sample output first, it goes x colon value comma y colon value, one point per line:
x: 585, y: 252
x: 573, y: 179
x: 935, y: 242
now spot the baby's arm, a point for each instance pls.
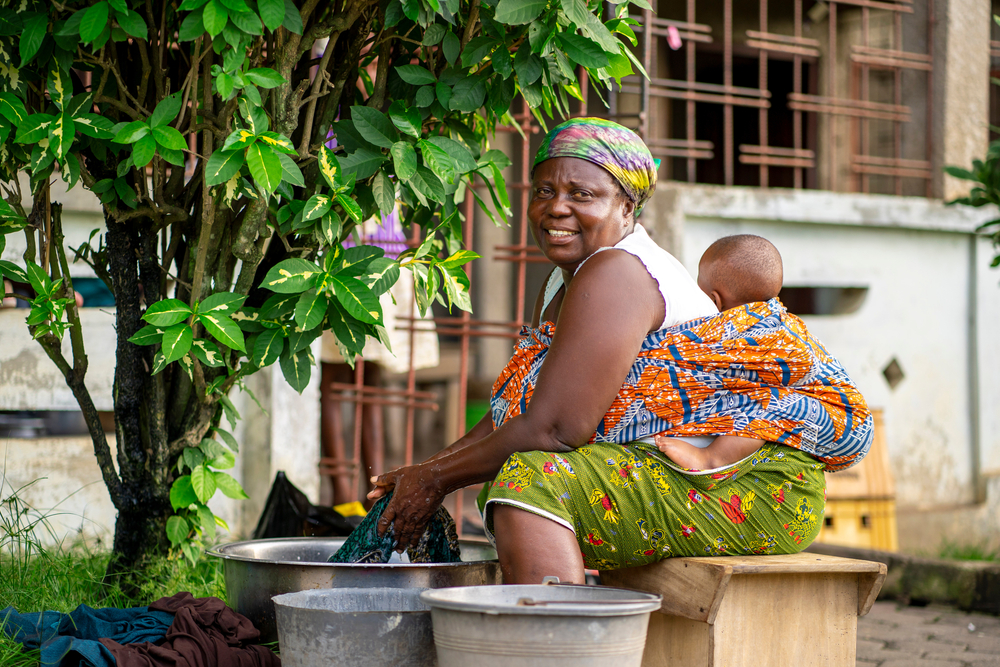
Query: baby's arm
x: 723, y: 451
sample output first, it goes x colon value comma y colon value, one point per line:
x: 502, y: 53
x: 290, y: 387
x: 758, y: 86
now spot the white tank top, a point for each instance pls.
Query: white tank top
x: 683, y: 300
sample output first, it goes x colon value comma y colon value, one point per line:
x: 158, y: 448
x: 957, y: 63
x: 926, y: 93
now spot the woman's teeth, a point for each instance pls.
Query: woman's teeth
x: 559, y: 232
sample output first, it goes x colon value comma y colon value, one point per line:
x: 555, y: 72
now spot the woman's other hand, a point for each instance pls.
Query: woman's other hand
x: 416, y: 496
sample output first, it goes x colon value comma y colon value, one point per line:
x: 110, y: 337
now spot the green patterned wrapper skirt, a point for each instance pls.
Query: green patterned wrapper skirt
x: 630, y: 505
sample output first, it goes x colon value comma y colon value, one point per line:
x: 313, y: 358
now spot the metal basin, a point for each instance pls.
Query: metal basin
x: 355, y: 627
x: 257, y: 570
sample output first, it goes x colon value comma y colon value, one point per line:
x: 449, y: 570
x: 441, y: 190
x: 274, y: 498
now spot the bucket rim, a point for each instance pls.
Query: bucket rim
x: 442, y: 598
x: 220, y: 551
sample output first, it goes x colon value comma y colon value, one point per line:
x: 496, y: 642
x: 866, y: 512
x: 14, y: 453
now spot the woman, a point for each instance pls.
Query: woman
x: 557, y: 504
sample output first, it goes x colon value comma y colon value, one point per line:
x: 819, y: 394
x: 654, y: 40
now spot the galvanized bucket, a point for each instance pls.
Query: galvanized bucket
x: 257, y: 570
x: 355, y: 627
x: 531, y: 626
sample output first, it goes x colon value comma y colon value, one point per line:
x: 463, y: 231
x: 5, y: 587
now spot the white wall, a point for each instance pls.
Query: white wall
x: 929, y: 292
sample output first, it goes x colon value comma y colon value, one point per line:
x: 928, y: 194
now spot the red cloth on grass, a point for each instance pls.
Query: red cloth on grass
x: 205, y: 633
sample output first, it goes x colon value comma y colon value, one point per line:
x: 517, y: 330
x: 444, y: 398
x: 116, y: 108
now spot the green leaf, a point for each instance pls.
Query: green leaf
x: 34, y: 128
x: 230, y: 441
x: 166, y: 111
x: 268, y: 347
x: 215, y: 17
x: 221, y: 302
x: 265, y: 167
x: 405, y: 120
x: 362, y: 163
x: 433, y: 35
x: 168, y: 137
x: 61, y: 134
x: 93, y: 23
x: 38, y: 279
x: 203, y: 483
x: 451, y: 46
x: 404, y: 159
x: 132, y: 132
x: 32, y: 36
x: 58, y: 93
x: 192, y: 457
x: 458, y: 259
x: 330, y: 226
x: 415, y: 75
x: 459, y: 154
x: 207, y: 353
x: 357, y: 299
x: 582, y: 50
x: 519, y: 12
x: 456, y: 286
x: 310, y: 309
x: 291, y: 276
x: 265, y: 77
x: 12, y: 108
x: 182, y: 493
x: 177, y: 529
x: 192, y: 26
x: 597, y: 31
x: 316, y: 207
x: 176, y: 342
x: 167, y: 312
x: 576, y: 11
x: 13, y: 271
x: 293, y: 19
x: 384, y: 191
x: 94, y: 126
x: 297, y: 368
x: 380, y: 275
x: 272, y: 12
x: 246, y: 21
x: 207, y: 521
x: 350, y: 207
x: 477, y: 49
x: 132, y: 23
x: 468, y: 94
x: 148, y: 335
x: 349, y: 331
x: 143, y: 151
x: 440, y: 162
x: 229, y: 486
x: 355, y: 260
x: 290, y: 171
x: 958, y: 172
x: 429, y: 185
x: 374, y: 126
x: 222, y: 166
x: 224, y: 330
x: 425, y: 96
x: 329, y: 167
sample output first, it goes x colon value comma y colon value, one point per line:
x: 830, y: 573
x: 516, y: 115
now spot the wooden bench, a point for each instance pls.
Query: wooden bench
x: 796, y: 610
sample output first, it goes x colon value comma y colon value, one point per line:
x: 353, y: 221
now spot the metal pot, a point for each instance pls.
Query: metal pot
x: 257, y: 570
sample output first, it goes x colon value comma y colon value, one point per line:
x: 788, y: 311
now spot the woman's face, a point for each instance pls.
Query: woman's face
x: 576, y: 208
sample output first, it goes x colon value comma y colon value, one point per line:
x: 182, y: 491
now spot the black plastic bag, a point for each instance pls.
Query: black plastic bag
x: 288, y: 513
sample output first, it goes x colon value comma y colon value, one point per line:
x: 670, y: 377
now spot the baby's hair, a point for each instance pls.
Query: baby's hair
x: 752, y: 265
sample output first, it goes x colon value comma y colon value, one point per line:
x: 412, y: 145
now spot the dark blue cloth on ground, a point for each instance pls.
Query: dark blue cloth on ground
x: 68, y: 640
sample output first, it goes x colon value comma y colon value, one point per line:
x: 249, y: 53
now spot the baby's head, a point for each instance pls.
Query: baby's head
x: 740, y: 269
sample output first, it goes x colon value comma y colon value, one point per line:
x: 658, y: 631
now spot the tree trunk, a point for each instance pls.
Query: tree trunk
x: 140, y: 532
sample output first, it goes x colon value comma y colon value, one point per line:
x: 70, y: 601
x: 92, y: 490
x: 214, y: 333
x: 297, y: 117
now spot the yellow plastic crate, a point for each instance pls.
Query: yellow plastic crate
x: 867, y: 524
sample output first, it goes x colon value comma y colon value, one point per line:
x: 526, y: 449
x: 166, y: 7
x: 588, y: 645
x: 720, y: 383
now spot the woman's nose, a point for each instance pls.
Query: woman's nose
x: 559, y: 206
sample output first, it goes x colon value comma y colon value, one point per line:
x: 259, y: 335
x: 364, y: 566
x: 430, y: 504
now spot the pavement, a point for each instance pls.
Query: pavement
x: 893, y: 635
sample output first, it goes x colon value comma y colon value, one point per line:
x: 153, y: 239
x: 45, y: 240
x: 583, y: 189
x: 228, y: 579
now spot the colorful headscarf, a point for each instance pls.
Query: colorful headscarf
x: 607, y: 144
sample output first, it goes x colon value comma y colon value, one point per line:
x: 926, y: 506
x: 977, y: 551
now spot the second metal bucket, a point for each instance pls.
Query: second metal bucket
x: 355, y: 627
x: 541, y: 625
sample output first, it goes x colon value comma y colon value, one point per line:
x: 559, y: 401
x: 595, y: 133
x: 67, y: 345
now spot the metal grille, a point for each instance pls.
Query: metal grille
x: 830, y: 95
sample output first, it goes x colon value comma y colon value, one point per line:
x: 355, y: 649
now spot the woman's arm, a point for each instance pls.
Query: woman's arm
x: 609, y: 308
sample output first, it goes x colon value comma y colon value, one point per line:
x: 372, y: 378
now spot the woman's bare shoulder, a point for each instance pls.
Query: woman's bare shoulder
x: 618, y: 274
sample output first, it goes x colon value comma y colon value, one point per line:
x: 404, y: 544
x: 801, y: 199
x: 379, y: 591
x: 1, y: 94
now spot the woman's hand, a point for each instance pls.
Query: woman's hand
x: 416, y: 497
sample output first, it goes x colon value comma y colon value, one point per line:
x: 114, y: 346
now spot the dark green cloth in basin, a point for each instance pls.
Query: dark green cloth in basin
x: 438, y: 544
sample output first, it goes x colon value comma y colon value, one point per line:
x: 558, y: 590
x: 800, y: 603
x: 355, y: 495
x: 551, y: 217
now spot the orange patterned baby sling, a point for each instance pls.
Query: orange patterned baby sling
x: 753, y: 371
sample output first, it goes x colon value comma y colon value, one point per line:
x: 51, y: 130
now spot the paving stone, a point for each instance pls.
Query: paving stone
x: 936, y: 646
x: 982, y: 643
x: 980, y: 660
x: 866, y: 663
x: 920, y: 662
x: 966, y: 657
x: 871, y: 650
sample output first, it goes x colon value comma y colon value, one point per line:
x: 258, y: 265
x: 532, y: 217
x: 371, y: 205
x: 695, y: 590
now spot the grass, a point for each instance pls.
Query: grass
x: 34, y: 577
x: 981, y: 552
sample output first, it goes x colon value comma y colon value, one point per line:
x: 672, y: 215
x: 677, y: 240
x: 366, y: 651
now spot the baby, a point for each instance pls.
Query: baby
x: 734, y: 271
